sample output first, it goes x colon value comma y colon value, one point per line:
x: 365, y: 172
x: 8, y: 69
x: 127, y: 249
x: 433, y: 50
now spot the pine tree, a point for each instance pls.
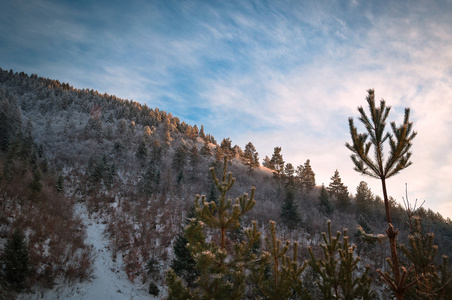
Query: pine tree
x: 280, y: 276
x: 15, y: 261
x: 364, y: 198
x: 36, y: 184
x: 421, y: 252
x: 266, y: 162
x: 289, y: 210
x: 324, y: 201
x: 60, y: 184
x: 168, y: 129
x: 251, y: 156
x: 147, y: 132
x: 338, y: 190
x: 277, y: 162
x: 338, y: 269
x: 205, y: 150
x: 219, y: 154
x: 183, y: 263
x: 222, y: 271
x: 150, y: 180
x: 201, y: 133
x: 194, y: 157
x: 289, y: 173
x: 142, y: 150
x: 180, y: 158
x: 226, y: 148
x: 400, y: 142
x: 307, y: 177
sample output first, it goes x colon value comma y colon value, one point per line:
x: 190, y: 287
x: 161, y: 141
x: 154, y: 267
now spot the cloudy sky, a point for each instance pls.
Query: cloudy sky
x: 276, y: 73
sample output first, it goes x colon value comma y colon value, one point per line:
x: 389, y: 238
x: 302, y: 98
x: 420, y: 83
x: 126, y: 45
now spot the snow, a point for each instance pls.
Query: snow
x: 110, y: 281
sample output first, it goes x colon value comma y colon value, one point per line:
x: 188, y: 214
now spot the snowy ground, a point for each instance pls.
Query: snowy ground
x: 110, y: 281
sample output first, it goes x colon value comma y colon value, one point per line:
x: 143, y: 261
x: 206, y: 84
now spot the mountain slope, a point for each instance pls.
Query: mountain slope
x: 130, y: 175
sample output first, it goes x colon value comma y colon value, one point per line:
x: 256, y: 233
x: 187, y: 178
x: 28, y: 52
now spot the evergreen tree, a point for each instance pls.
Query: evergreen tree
x: 222, y: 272
x: 307, y: 177
x: 219, y: 154
x: 132, y: 128
x: 168, y: 130
x: 364, y: 198
x: 279, y: 276
x: 324, y: 201
x: 400, y: 142
x: 338, y: 190
x: 121, y: 128
x: 201, y: 133
x: 150, y: 180
x: 205, y: 150
x: 251, y: 156
x: 338, y: 269
x: 194, y: 157
x: 277, y: 162
x: 226, y: 148
x: 110, y: 174
x: 266, y: 162
x: 15, y: 261
x: 147, y: 132
x: 183, y: 263
x: 289, y: 173
x: 60, y: 184
x: 180, y: 158
x: 289, y: 210
x: 36, y: 184
x: 156, y: 155
x: 421, y: 252
x: 142, y: 150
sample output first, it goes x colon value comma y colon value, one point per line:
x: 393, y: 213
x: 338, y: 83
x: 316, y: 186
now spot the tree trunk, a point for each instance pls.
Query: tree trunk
x: 392, y: 236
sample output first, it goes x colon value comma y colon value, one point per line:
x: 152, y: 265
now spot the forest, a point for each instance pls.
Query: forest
x: 188, y: 217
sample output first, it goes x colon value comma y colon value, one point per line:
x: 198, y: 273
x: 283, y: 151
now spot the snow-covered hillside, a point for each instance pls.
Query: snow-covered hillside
x: 109, y: 280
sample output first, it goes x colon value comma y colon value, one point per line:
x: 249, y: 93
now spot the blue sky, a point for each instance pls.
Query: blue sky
x: 277, y: 73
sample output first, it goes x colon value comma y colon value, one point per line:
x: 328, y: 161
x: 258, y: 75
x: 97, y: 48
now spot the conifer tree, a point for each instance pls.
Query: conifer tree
x: 150, y: 179
x: 284, y: 280
x: 289, y: 210
x: 142, y: 150
x: 147, y: 132
x: 251, y: 156
x: 338, y: 190
x: 364, y: 198
x: 277, y: 162
x: 400, y: 142
x: 226, y: 148
x: 324, y: 201
x: 194, y: 157
x: 180, y: 158
x: 307, y: 177
x: 338, y: 269
x: 219, y: 154
x: 201, y: 133
x: 289, y: 173
x: 205, y: 150
x: 60, y: 184
x: 266, y: 162
x: 183, y: 263
x: 36, y: 184
x: 168, y: 130
x: 421, y: 252
x: 15, y: 261
x: 221, y: 266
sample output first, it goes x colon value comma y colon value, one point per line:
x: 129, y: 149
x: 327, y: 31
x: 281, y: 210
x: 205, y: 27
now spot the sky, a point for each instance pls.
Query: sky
x: 283, y: 74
